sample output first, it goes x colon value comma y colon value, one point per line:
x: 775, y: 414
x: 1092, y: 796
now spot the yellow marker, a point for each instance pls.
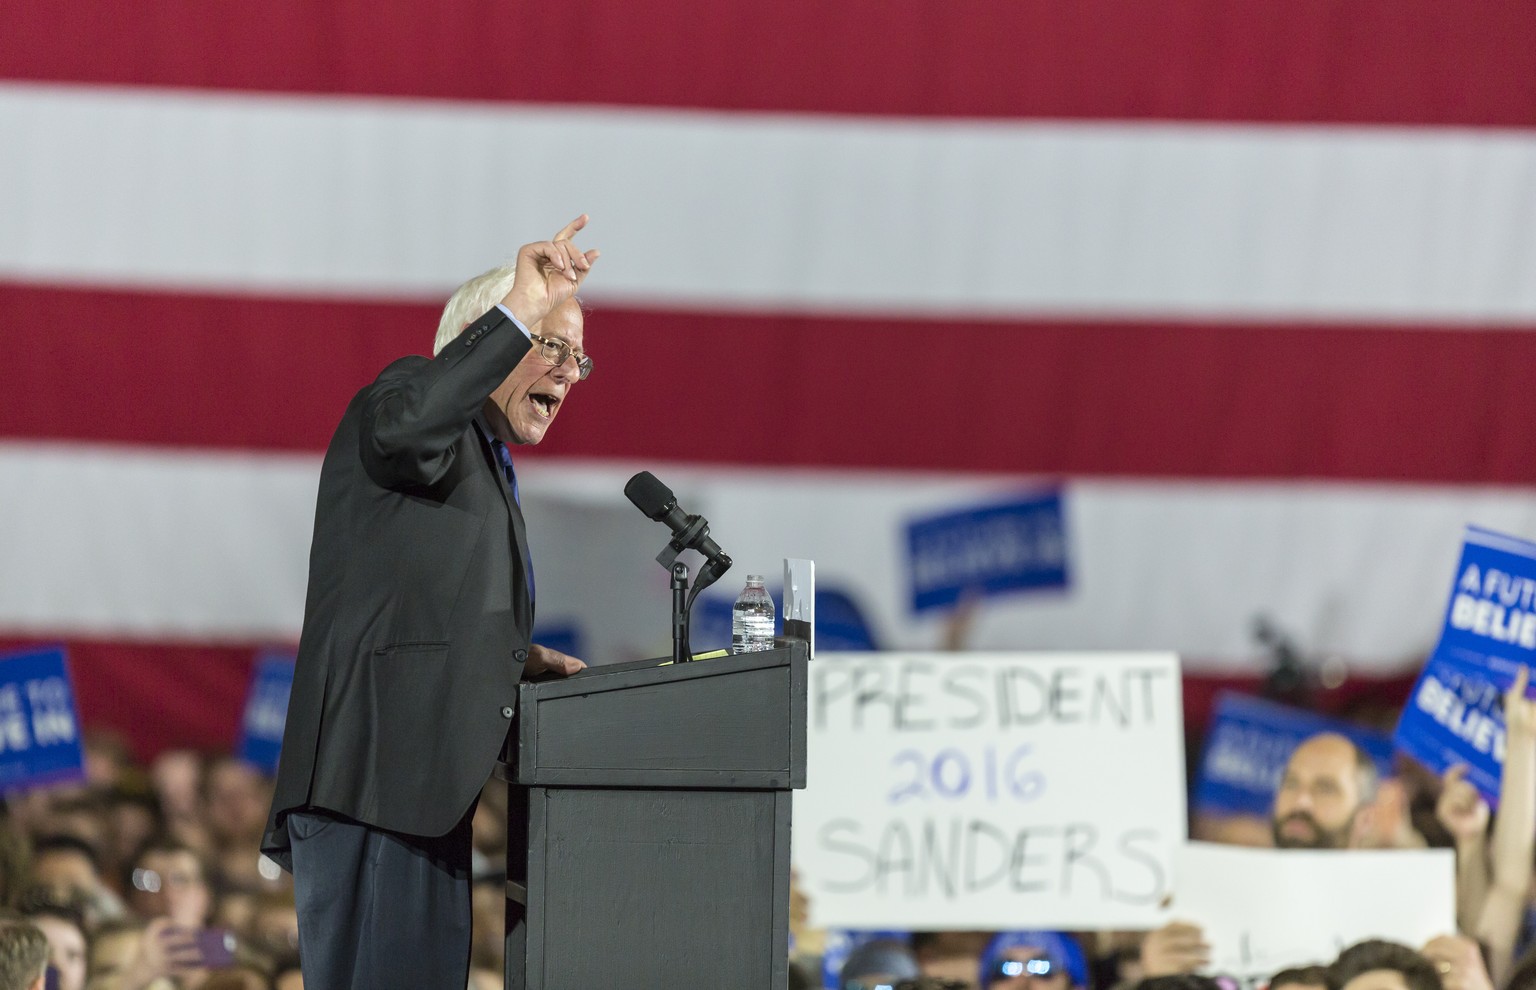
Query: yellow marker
x: 700, y: 656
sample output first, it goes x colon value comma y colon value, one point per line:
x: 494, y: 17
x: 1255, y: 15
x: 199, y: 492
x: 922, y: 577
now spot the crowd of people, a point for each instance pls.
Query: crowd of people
x: 1016, y: 961
x: 150, y: 877
x: 1331, y: 796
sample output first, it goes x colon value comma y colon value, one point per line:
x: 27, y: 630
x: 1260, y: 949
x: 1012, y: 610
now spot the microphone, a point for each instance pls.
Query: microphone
x: 689, y: 532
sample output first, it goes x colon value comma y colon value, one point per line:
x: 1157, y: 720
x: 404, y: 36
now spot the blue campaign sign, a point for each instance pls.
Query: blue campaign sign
x: 1456, y: 715
x: 1492, y: 611
x: 39, y: 726
x: 1248, y: 745
x: 266, y: 711
x: 1456, y: 711
x: 709, y: 627
x: 840, y: 623
x: 991, y: 550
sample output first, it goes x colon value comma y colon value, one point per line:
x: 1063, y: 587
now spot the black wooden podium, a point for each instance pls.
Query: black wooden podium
x: 649, y: 824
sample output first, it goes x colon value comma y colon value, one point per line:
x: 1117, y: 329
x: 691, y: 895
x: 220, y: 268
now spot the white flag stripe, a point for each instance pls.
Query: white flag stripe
x: 141, y: 544
x: 375, y: 197
x: 149, y: 543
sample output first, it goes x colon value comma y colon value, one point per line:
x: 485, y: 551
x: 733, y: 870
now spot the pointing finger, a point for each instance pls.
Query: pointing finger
x: 570, y: 229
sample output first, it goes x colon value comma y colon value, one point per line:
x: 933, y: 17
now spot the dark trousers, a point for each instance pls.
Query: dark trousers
x: 380, y: 910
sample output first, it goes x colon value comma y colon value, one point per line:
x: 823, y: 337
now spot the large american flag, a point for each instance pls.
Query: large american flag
x: 1255, y: 281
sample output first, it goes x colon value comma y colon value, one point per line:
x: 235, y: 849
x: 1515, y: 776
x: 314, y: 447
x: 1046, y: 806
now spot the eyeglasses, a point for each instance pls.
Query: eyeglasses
x: 1008, y: 968
x: 556, y: 351
x: 152, y: 881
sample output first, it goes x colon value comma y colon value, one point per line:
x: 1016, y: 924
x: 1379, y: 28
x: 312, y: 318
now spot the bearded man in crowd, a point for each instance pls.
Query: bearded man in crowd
x: 1324, y: 802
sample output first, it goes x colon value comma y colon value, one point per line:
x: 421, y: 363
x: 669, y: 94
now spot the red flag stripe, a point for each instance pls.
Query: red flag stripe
x: 1319, y: 61
x: 157, y: 695
x: 198, y: 691
x: 1074, y: 397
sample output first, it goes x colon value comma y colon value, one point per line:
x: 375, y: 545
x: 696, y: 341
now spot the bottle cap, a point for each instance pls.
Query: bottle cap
x: 754, y: 579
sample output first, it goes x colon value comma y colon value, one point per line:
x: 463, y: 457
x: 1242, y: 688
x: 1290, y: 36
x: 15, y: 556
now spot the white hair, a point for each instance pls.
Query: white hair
x: 473, y: 299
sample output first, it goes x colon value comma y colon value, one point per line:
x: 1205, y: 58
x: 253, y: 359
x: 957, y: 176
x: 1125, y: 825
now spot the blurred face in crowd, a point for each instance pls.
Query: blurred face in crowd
x: 237, y: 801
x: 132, y: 824
x: 526, y: 403
x: 66, y: 872
x: 235, y: 909
x: 66, y: 950
x: 84, y: 824
x: 246, y: 979
x: 276, y: 925
x: 1320, y: 801
x: 107, y: 759
x: 177, y: 775
x: 111, y: 954
x: 951, y: 955
x: 170, y: 884
x: 1300, y: 978
x: 1378, y: 979
x: 1028, y: 968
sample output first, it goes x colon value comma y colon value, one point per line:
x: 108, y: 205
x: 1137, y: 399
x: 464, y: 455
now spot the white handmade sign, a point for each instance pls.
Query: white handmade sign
x: 1263, y: 910
x: 991, y: 791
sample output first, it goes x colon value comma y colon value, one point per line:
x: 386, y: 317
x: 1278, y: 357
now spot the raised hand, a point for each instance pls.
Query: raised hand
x: 164, y: 950
x: 548, y: 273
x: 1461, y: 809
x: 1177, y: 947
x: 1459, y: 962
x: 1520, y: 711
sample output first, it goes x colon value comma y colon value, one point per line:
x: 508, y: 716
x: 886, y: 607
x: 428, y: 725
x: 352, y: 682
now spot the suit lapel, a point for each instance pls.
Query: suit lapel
x: 522, y: 600
x: 488, y: 454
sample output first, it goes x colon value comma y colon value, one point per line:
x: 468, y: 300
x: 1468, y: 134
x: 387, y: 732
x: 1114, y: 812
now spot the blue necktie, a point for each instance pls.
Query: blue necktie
x: 505, y: 457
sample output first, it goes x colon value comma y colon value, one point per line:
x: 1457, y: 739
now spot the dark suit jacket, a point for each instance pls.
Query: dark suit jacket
x: 417, y: 619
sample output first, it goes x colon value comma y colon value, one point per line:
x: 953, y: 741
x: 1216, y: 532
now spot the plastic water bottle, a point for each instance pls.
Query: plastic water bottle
x: 752, y: 618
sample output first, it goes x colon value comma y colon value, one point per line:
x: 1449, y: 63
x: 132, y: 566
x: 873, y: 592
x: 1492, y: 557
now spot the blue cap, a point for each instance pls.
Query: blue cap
x: 880, y: 958
x: 840, y: 943
x: 1059, y: 946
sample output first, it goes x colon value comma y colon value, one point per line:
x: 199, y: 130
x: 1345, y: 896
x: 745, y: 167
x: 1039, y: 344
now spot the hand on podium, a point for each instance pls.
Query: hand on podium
x: 542, y: 662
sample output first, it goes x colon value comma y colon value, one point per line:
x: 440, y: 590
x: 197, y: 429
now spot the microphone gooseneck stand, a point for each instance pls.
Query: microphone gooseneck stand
x: 682, y: 598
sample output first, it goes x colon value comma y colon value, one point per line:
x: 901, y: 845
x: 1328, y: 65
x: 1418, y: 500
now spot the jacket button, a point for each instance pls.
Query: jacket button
x: 520, y: 656
x: 506, y: 711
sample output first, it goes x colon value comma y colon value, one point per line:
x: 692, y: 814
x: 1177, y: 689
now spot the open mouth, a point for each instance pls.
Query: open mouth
x: 545, y: 404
